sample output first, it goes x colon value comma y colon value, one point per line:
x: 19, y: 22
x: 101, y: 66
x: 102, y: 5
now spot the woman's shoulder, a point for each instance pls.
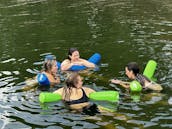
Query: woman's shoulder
x: 65, y: 60
x: 59, y: 91
x: 88, y: 90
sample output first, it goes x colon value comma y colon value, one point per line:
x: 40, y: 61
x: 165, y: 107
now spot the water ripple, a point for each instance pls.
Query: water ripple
x: 133, y: 30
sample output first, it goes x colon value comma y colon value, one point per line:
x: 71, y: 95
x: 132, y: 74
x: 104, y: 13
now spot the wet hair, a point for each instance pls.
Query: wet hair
x: 71, y: 82
x: 133, y: 66
x: 71, y: 50
x: 49, y: 62
x: 72, y: 79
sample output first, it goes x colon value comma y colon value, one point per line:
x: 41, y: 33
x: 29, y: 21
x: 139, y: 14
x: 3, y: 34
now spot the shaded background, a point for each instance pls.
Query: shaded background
x: 121, y: 31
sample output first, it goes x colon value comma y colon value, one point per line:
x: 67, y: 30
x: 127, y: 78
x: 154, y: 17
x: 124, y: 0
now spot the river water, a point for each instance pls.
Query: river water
x: 121, y: 31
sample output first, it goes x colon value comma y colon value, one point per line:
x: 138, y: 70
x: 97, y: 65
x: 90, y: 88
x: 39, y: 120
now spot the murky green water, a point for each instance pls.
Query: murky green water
x: 121, y: 31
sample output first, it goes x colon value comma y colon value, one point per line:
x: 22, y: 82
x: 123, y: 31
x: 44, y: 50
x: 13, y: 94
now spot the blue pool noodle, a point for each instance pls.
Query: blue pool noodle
x: 43, y: 79
x: 95, y: 59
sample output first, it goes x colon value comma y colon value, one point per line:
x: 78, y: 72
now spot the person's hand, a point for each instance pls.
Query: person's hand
x: 57, y: 80
x: 115, y: 81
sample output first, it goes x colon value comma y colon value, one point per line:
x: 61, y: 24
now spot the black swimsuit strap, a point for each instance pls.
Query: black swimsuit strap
x: 83, y: 99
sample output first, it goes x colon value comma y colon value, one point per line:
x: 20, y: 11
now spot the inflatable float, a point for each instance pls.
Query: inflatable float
x: 95, y: 59
x: 43, y: 80
x: 150, y: 70
x: 112, y: 96
x: 135, y: 86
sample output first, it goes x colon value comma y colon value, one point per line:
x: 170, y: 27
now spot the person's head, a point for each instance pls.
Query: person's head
x: 74, y: 80
x: 131, y: 70
x: 50, y: 64
x: 73, y: 54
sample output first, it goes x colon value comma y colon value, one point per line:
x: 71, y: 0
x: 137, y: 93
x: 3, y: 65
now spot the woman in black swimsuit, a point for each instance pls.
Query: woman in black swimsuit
x: 74, y: 94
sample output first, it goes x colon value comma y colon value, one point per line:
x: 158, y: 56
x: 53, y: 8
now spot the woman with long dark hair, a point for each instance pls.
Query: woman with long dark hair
x: 74, y: 59
x: 133, y: 72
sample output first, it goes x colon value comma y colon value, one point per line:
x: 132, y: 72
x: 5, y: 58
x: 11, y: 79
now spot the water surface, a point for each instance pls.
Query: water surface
x: 121, y: 31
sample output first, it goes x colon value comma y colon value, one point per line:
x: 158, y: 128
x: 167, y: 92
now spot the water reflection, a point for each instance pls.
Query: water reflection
x: 120, y: 30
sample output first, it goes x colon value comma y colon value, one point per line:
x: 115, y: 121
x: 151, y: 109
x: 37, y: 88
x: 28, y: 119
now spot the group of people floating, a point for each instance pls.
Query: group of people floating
x: 73, y: 93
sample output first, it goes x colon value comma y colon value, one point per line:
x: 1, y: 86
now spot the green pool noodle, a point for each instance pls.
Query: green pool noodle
x: 49, y: 97
x: 150, y: 69
x: 104, y: 96
x: 135, y: 86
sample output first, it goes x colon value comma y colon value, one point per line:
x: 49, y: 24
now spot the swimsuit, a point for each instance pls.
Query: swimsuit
x: 83, y: 99
x: 91, y: 109
x: 141, y: 79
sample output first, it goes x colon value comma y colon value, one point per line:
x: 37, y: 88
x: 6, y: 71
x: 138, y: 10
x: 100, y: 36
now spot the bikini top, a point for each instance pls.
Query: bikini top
x: 83, y: 99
